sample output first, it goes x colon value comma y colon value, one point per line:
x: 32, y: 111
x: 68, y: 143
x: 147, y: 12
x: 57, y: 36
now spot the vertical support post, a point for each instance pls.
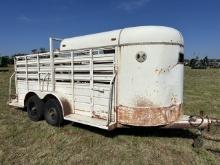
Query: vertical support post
x: 116, y: 66
x: 111, y: 102
x: 91, y: 83
x: 114, y: 89
x: 38, y: 70
x: 15, y: 68
x: 52, y: 64
x: 72, y: 76
x: 26, y: 66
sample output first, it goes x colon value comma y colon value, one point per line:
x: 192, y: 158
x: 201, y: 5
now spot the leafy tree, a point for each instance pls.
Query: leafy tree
x: 3, y: 61
x: 34, y: 51
x: 42, y: 50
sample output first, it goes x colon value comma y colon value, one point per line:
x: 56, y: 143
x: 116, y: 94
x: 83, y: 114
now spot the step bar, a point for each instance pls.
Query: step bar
x: 87, y: 120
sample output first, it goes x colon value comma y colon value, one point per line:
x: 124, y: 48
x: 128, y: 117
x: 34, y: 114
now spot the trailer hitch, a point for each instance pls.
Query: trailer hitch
x: 200, y: 134
x: 200, y: 123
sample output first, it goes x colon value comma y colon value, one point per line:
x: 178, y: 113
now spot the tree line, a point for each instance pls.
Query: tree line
x: 7, y: 60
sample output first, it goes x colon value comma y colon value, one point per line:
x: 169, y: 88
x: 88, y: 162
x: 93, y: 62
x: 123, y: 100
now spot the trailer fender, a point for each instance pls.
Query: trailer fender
x: 65, y: 104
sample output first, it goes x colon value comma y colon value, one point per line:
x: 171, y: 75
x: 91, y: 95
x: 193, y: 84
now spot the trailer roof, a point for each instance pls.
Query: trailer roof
x: 126, y: 36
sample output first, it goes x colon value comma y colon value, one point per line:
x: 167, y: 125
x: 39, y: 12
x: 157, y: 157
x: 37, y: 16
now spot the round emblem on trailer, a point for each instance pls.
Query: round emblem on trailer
x: 141, y: 56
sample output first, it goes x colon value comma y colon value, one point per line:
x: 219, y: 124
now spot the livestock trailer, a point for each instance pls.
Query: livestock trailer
x: 127, y: 77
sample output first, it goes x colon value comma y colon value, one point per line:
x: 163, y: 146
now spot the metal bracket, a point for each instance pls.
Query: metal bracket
x: 110, y: 100
x: 10, y: 84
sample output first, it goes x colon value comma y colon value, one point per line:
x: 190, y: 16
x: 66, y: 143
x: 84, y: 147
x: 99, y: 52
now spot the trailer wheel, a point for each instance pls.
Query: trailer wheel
x: 35, y: 108
x: 53, y: 113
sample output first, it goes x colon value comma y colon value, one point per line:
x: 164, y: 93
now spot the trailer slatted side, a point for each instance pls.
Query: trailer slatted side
x: 83, y: 76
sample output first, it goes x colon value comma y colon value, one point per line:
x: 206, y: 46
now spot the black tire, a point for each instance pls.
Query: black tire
x: 53, y: 113
x: 35, y: 108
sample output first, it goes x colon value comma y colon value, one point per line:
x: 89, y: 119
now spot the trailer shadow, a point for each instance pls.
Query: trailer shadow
x: 133, y: 131
x: 140, y: 132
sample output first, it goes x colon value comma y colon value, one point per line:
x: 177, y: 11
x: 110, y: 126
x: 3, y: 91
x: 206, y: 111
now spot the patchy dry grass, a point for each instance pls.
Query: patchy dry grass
x: 26, y: 142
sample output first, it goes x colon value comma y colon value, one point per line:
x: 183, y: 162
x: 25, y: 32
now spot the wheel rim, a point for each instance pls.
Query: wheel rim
x: 33, y: 109
x: 52, y: 114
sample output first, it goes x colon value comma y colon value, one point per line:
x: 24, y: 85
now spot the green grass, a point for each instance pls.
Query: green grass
x: 26, y: 142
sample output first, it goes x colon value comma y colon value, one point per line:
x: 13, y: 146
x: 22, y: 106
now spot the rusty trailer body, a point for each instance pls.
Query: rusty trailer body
x: 130, y: 77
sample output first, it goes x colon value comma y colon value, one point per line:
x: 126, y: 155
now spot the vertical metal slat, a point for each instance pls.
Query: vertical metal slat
x: 26, y: 65
x: 91, y: 82
x: 38, y: 71
x: 52, y: 64
x: 72, y: 76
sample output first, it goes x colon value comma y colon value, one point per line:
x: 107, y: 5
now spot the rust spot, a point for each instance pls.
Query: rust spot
x: 67, y: 108
x: 159, y: 71
x: 148, y: 116
x: 174, y: 99
x: 98, y: 116
x: 143, y: 102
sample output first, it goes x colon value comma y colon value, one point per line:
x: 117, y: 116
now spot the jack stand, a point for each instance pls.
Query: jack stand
x: 198, y: 140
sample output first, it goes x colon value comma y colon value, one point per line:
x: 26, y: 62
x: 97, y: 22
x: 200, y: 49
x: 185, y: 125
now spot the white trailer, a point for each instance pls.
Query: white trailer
x: 126, y: 77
